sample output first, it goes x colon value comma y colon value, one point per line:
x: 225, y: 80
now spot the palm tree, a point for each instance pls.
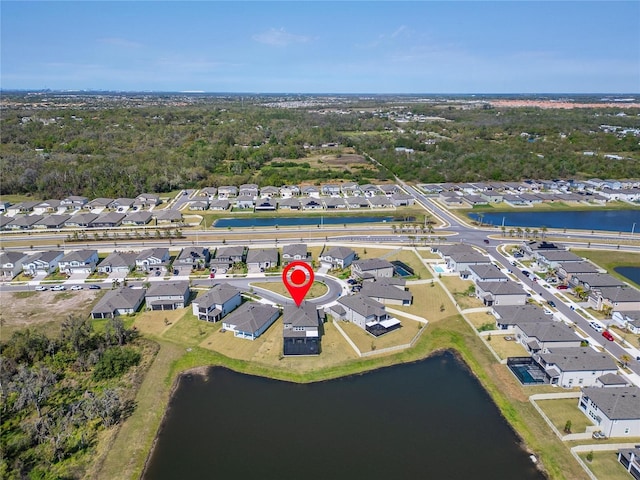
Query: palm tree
x: 543, y: 229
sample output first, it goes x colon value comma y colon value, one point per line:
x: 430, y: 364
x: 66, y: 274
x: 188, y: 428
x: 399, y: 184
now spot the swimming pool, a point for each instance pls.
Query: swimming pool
x: 439, y: 269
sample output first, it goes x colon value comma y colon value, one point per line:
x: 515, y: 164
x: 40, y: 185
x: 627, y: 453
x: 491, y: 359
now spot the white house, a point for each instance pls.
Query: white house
x: 250, y: 320
x: 615, y: 410
x: 337, y: 257
x: 42, y: 263
x: 217, y: 303
x: 79, y: 261
x: 122, y: 301
x: 571, y: 367
x: 365, y: 312
x: 11, y: 264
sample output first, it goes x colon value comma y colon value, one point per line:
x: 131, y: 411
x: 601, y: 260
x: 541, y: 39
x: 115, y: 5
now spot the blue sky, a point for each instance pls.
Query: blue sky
x: 323, y: 46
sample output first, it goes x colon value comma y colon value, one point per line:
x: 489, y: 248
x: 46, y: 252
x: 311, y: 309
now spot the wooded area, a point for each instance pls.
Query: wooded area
x: 85, y: 145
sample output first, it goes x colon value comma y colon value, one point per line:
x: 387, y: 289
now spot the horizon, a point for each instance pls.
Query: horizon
x: 332, y: 47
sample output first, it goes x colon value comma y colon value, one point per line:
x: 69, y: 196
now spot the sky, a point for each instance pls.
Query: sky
x: 322, y: 46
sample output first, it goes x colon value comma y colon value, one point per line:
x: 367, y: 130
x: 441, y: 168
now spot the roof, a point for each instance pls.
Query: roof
x: 236, y: 251
x: 45, y: 257
x: 501, y: 288
x: 617, y: 403
x: 612, y: 379
x: 576, y: 359
x: 109, y: 217
x: 167, y: 214
x: 82, y: 218
x: 11, y: 257
x: 193, y: 253
x: 369, y: 264
x: 597, y: 280
x: 487, y: 271
x: 363, y: 305
x: 620, y: 294
x: 549, y: 331
x: 294, y: 249
x: 579, y: 267
x: 381, y: 290
x: 122, y: 298
x: 141, y: 216
x: 514, y: 314
x: 158, y: 253
x: 163, y: 289
x: 338, y: 252
x: 559, y: 256
x: 262, y: 255
x: 78, y: 256
x: 306, y: 315
x: 219, y: 294
x: 120, y: 259
x: 469, y: 257
x: 251, y: 317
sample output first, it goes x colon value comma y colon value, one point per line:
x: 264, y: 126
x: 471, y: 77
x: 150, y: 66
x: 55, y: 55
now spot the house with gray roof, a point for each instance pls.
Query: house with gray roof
x: 508, y: 316
x: 571, y: 367
x: 380, y: 201
x: 139, y: 218
x: 611, y: 380
x: 167, y: 215
x: 590, y: 281
x: 616, y: 411
x: 48, y: 206
x: 486, y: 273
x: 311, y: 203
x: 121, y: 262
x: 210, y: 193
x: 245, y: 201
x: 108, y: 220
x: 269, y: 191
x: 402, y: 199
x: 623, y: 298
x: 301, y: 329
x: 42, y: 263
x: 630, y: 460
x: 461, y: 261
x: 296, y: 252
x: 227, y: 191
x: 167, y: 296
x: 122, y: 203
x: 289, y: 203
x: 5, y: 221
x: 81, y: 220
x: 79, y: 261
x: 11, y: 264
x: 266, y: 204
x: 52, y: 221
x: 330, y: 189
x: 350, y: 188
x: 334, y: 203
x: 74, y: 202
x: 226, y: 257
x: 536, y: 336
x: 385, y: 293
x: 628, y: 320
x: 23, y: 222
x: 121, y: 301
x: 217, y: 302
x: 357, y: 202
x: 337, y: 257
x: 566, y: 270
x: 372, y: 267
x: 553, y: 258
x: 148, y: 200
x: 250, y: 189
x: 195, y: 258
x: 261, y: 259
x: 220, y: 204
x: 501, y: 293
x: 250, y: 320
x: 366, y: 313
x: 21, y: 208
x: 153, y: 260
x: 199, y: 205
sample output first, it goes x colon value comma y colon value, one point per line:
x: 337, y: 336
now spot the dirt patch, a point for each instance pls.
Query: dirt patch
x: 344, y: 159
x: 29, y: 309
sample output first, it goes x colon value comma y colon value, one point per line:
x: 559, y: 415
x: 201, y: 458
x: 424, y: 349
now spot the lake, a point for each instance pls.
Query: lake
x: 632, y: 273
x: 608, y: 220
x: 295, y: 221
x: 429, y: 419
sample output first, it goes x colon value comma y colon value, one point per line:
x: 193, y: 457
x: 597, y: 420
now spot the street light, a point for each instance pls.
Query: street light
x: 633, y: 228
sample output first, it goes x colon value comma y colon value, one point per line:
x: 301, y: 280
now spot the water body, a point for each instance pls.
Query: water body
x: 430, y: 419
x: 295, y: 221
x: 632, y: 273
x: 608, y: 220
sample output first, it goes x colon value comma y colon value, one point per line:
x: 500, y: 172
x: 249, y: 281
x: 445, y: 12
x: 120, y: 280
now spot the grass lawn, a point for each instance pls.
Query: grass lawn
x: 563, y: 409
x: 459, y: 289
x: 507, y: 348
x: 609, y: 259
x: 412, y: 260
x: 367, y: 342
x: 481, y: 318
x: 605, y: 466
x: 430, y: 302
x: 427, y: 254
x: 318, y: 289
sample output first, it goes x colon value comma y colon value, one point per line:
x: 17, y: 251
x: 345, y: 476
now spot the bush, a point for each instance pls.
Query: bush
x: 115, y: 361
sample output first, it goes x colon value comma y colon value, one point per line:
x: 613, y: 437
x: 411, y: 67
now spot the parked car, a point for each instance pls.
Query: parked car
x: 486, y: 241
x: 552, y: 303
x: 598, y: 435
x: 94, y: 287
x: 548, y: 312
x: 525, y: 273
x: 41, y: 288
x: 77, y: 287
x: 58, y: 288
x: 212, y: 275
x: 562, y: 287
x: 606, y: 334
x: 596, y: 326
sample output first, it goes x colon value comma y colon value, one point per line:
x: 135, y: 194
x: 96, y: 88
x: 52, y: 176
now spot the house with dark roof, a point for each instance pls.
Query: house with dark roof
x: 566, y: 270
x: 167, y: 215
x: 250, y: 320
x: 623, y: 299
x: 153, y: 260
x: 311, y: 203
x: 261, y: 259
x: 122, y: 262
x: 195, y: 258
x: 501, y: 293
x: 508, y: 316
x: 611, y: 380
x: 108, y: 220
x: 74, y: 202
x: 366, y: 313
x: 461, y: 261
x: 553, y: 258
x: 486, y: 272
x: 296, y: 252
x: 289, y: 203
x: 217, y: 302
x: 52, y: 221
x: 79, y: 261
x: 226, y: 257
x: 334, y: 203
x: 630, y: 460
x: 11, y: 264
x: 122, y: 203
x: 380, y: 201
x: 385, y: 293
x: 245, y: 201
x: 48, y: 206
x: 594, y: 281
x: 616, y: 411
x: 337, y: 257
x: 227, y: 191
x: 220, y: 204
x: 23, y: 222
x: 301, y: 329
x: 139, y: 218
x: 357, y: 202
x: 402, y: 200
x: 148, y: 200
x: 122, y: 301
x: 372, y: 267
x: 265, y: 204
x: 81, y: 220
x: 42, y: 263
x: 628, y: 320
x: 536, y: 336
x: 571, y: 367
x: 167, y: 296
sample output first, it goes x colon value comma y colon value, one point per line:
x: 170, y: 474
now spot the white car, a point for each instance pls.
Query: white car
x: 41, y: 288
x: 596, y: 326
x: 58, y: 288
x: 548, y: 312
x: 77, y: 287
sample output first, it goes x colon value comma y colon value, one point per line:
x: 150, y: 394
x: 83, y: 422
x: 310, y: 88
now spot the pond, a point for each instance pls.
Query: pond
x: 429, y: 419
x: 632, y: 273
x: 607, y: 220
x: 296, y: 221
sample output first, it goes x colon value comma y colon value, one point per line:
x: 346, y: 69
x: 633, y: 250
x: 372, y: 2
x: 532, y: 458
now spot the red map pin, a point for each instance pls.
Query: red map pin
x: 298, y: 278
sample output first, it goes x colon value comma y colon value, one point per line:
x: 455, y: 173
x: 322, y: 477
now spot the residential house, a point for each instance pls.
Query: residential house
x: 402, y: 200
x: 609, y: 380
x: 108, y: 220
x: 250, y: 320
x: 310, y: 191
x: 386, y: 293
x: 370, y: 190
x: 311, y: 203
x: 269, y: 191
x: 624, y: 299
x: 226, y: 257
x: 79, y: 261
x: 4, y: 205
x: 508, y: 316
x: 367, y: 313
x: 48, y: 206
x: 474, y: 200
x: 334, y: 203
x: 337, y: 257
x: 139, y: 218
x: 222, y: 204
x: 74, y: 202
x: 217, y: 302
x: 245, y: 201
x: 357, y: 202
x: 23, y: 222
x: 227, y: 191
x: 531, y: 249
x: 167, y: 216
x: 536, y: 336
x: 249, y: 189
x: 262, y: 259
x: 42, y: 263
x: 199, y: 205
x: 628, y: 320
x: 330, y: 189
x: 210, y: 193
x: 595, y: 281
x: 301, y: 329
x: 148, y: 200
x: 630, y: 460
x: 153, y: 260
x: 450, y: 199
x: 81, y: 220
x: 11, y: 264
x: 571, y: 367
x: 289, y: 203
x: 566, y: 270
x: 25, y: 208
x: 52, y: 221
x: 296, y: 252
x: 616, y: 411
x: 167, y: 296
x: 389, y: 190
x: 120, y: 262
x: 501, y: 293
x: 265, y: 204
x: 195, y: 258
x: 486, y: 272
x: 122, y: 203
x: 372, y: 267
x: 5, y: 221
x: 553, y: 258
x: 287, y: 191
x: 380, y: 201
x: 350, y: 188
x: 122, y: 301
x: 461, y: 261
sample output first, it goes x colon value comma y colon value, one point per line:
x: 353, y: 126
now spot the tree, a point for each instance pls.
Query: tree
x: 33, y: 386
x: 567, y: 427
x: 115, y: 331
x: 77, y: 333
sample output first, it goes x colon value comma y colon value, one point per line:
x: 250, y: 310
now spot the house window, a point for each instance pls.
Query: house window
x: 626, y: 431
x: 580, y: 381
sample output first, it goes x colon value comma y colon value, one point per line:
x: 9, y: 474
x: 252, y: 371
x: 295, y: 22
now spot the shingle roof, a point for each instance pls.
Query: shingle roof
x: 122, y: 298
x: 363, y: 305
x: 163, y: 289
x: 219, y: 294
x: 579, y: 359
x: 250, y: 316
x: 617, y: 403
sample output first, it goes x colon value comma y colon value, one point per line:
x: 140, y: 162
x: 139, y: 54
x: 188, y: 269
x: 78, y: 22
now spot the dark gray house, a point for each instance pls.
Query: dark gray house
x: 302, y: 329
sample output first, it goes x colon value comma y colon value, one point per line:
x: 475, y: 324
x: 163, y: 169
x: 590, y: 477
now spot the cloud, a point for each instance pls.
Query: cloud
x: 119, y: 42
x: 279, y: 38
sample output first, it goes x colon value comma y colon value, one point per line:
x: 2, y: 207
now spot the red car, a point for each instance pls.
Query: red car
x: 562, y: 287
x: 606, y: 334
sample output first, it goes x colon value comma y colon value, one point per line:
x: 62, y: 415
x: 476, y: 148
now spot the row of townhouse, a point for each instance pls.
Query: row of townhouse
x: 530, y: 186
x: 347, y: 189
